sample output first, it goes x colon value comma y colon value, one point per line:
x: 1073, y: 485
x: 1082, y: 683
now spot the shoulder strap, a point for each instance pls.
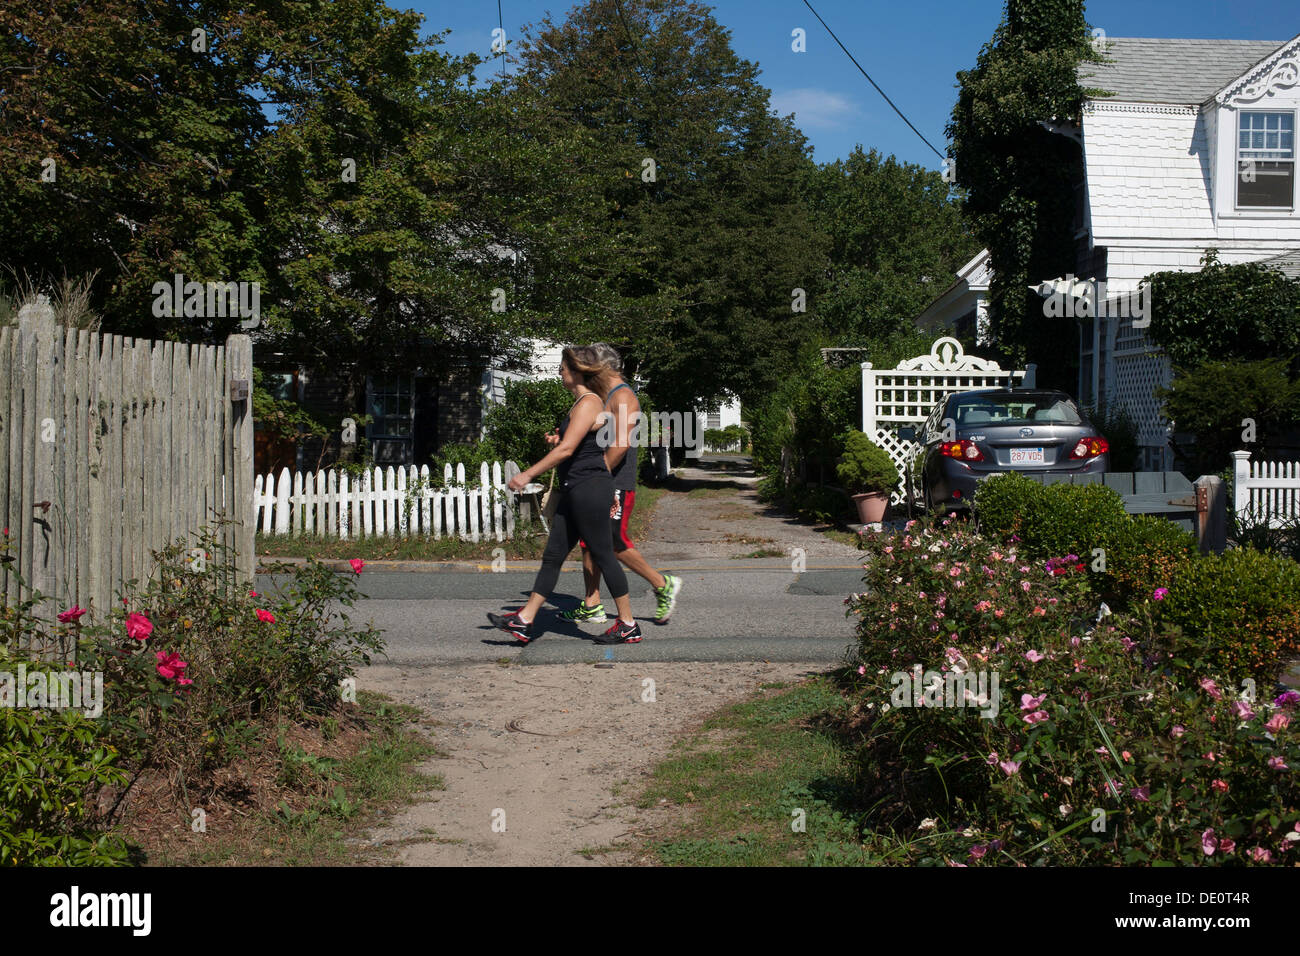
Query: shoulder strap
x: 615, y: 389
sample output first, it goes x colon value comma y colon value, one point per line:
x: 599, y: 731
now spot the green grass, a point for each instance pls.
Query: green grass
x: 527, y: 545
x: 761, y: 553
x: 746, y: 773
x: 379, y: 777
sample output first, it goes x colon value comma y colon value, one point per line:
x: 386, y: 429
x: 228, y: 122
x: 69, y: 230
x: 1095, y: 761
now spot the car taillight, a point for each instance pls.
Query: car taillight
x: 963, y: 450
x: 1090, y: 448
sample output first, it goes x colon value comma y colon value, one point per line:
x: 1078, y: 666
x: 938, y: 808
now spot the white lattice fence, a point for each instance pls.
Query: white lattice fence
x: 388, y: 501
x: 907, y: 393
x: 1266, y: 490
x: 1138, y: 369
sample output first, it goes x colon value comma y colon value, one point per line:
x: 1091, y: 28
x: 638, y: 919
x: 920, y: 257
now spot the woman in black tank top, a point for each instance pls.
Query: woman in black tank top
x: 587, y: 494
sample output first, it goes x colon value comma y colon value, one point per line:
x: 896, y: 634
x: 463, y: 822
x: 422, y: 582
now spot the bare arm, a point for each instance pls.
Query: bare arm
x: 625, y: 409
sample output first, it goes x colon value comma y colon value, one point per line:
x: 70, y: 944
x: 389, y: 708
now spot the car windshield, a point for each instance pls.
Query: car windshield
x: 1014, y: 408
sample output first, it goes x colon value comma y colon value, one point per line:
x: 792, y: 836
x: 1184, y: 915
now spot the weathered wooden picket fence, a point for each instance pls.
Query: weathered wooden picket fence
x: 111, y: 448
x: 1266, y: 490
x: 388, y: 501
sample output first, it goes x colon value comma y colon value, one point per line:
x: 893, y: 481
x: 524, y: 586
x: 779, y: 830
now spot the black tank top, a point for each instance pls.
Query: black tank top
x: 625, y: 470
x: 588, y: 461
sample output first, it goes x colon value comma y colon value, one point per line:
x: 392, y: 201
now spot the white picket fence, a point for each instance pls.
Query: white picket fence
x: 1266, y: 490
x: 388, y: 501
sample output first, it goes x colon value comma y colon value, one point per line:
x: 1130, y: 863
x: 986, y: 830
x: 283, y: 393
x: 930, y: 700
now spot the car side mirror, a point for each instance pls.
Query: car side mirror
x: 907, y: 433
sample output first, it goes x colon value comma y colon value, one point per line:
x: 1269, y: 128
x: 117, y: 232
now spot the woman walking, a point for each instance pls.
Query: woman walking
x: 621, y: 459
x: 586, y: 491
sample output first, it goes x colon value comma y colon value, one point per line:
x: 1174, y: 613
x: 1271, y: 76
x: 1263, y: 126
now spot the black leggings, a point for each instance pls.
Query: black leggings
x: 583, y: 513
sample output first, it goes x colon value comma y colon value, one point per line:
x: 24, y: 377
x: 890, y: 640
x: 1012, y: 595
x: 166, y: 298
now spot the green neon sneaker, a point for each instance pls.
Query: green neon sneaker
x: 595, y: 615
x: 667, y: 596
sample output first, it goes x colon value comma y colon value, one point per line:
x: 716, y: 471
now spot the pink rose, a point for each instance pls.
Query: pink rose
x: 1220, y: 785
x: 1177, y: 731
x: 1277, y: 763
x: 266, y: 617
x: 1009, y: 767
x: 1208, y: 843
x: 1029, y: 702
x: 71, y: 615
x: 1033, y: 656
x: 1037, y: 717
x: 1211, y: 688
x: 357, y: 565
x: 138, y: 626
x: 170, y: 666
x: 1277, y: 723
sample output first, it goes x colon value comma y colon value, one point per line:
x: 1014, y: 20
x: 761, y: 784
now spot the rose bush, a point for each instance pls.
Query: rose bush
x: 1099, y: 751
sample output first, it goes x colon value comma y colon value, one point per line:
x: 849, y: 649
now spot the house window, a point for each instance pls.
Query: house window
x: 1266, y: 160
x: 389, y: 406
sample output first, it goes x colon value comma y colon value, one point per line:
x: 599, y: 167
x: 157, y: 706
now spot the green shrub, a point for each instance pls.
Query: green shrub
x: 866, y: 467
x: 52, y: 766
x: 1239, y: 612
x: 517, y: 427
x: 1049, y: 520
x: 1143, y: 553
x: 471, y: 455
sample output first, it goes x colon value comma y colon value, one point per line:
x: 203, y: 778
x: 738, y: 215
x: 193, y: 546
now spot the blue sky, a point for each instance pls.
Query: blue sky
x: 912, y: 49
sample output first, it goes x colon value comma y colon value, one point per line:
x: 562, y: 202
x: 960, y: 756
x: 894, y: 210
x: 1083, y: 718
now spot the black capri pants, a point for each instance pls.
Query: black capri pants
x: 583, y: 514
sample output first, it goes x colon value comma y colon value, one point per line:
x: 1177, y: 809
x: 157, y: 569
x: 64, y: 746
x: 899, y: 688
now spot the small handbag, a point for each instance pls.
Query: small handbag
x: 552, y: 503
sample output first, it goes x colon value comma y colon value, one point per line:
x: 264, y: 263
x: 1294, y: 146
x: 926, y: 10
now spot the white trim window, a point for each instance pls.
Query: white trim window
x: 1265, y: 160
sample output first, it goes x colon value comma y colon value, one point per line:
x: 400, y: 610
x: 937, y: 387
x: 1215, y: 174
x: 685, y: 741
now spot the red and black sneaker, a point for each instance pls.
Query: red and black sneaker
x: 512, y: 623
x: 621, y: 633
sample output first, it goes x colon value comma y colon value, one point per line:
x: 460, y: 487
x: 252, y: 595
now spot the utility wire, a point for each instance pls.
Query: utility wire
x: 871, y: 81
x: 501, y: 23
x: 618, y: 6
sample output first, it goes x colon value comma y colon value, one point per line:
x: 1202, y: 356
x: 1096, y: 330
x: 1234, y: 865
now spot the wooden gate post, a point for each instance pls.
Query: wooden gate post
x: 239, y: 459
x: 1211, y: 514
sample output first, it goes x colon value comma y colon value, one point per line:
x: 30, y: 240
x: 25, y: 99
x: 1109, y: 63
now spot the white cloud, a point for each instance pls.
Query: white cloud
x: 813, y: 108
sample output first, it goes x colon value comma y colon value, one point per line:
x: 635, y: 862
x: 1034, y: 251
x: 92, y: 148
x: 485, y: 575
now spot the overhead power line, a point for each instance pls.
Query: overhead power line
x: 871, y: 81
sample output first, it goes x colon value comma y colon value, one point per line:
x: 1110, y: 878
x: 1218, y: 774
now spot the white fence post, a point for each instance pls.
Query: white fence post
x: 1240, y: 478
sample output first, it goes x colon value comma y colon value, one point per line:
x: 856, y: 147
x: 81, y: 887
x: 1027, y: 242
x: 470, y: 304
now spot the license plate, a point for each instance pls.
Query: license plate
x: 1027, y: 456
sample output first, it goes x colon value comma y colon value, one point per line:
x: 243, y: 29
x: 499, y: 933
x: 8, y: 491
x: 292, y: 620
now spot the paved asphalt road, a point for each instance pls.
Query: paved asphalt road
x: 760, y: 611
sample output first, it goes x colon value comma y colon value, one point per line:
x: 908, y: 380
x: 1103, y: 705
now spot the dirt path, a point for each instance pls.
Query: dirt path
x: 559, y: 752
x: 556, y: 752
x: 713, y: 511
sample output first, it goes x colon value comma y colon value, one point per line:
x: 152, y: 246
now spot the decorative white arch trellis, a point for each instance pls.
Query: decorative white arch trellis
x: 907, y: 393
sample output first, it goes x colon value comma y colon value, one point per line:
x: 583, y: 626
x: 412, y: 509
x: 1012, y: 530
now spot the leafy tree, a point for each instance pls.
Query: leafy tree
x: 1212, y: 400
x: 895, y: 241
x: 1247, y: 311
x: 727, y: 233
x: 322, y: 149
x: 1020, y: 176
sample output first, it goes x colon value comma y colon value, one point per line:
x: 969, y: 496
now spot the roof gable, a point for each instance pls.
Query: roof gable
x: 1279, y: 70
x: 1175, y: 71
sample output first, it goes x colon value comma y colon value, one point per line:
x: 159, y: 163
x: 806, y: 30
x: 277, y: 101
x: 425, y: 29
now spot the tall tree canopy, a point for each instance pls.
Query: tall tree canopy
x: 378, y: 194
x: 895, y: 241
x: 703, y: 174
x: 1019, y: 175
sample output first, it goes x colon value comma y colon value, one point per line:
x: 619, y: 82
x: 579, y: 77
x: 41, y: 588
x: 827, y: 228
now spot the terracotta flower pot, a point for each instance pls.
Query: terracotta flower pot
x: 871, y: 507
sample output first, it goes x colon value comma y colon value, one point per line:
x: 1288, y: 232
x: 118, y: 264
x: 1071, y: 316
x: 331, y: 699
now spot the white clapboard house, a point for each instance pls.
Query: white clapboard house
x: 1194, y: 148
